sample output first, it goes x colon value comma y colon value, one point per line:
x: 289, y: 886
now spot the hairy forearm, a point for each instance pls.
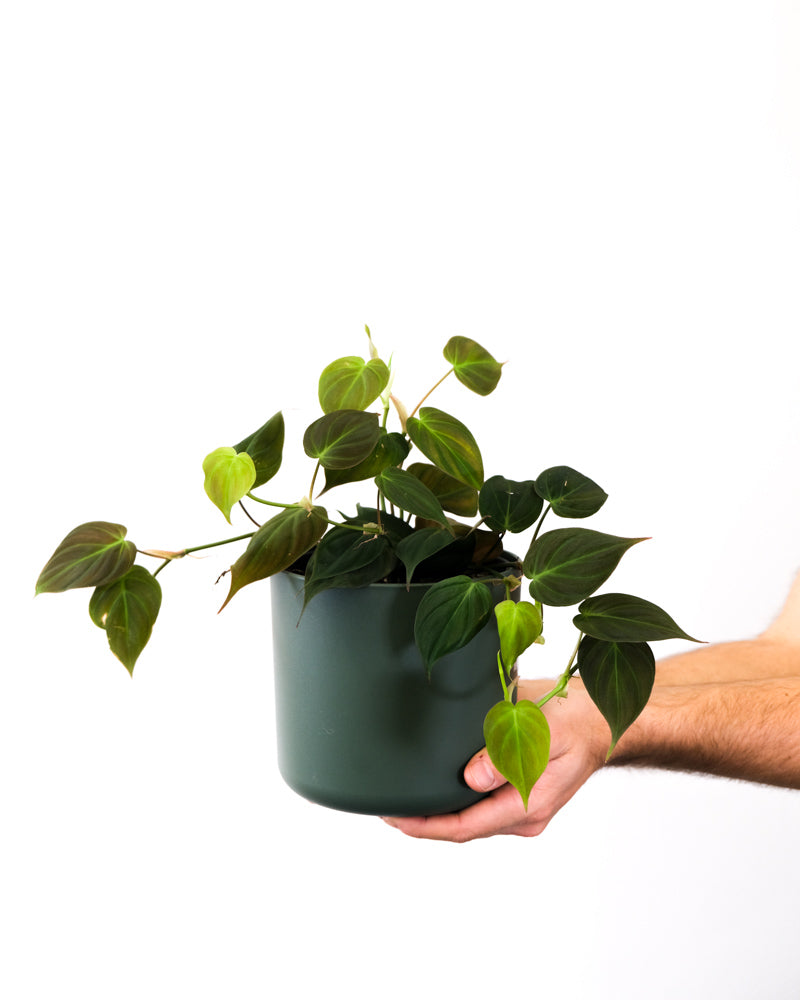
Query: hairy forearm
x: 738, y: 729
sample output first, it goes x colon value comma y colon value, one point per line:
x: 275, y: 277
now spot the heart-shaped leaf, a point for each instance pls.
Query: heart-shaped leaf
x: 345, y: 558
x: 410, y: 494
x: 506, y: 505
x: 265, y: 447
x: 91, y: 555
x: 276, y: 545
x: 520, y: 625
x: 127, y: 610
x: 448, y: 444
x: 518, y: 740
x: 342, y: 439
x: 570, y: 493
x: 421, y: 545
x: 473, y: 365
x: 622, y: 618
x: 390, y: 450
x: 565, y: 566
x: 450, y: 614
x: 454, y: 496
x: 352, y: 384
x: 619, y: 677
x: 229, y: 477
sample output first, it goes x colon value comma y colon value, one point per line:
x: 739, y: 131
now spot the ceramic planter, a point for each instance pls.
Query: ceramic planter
x: 360, y: 728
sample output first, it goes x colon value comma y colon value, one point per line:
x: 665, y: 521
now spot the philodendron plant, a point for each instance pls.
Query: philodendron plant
x: 404, y: 534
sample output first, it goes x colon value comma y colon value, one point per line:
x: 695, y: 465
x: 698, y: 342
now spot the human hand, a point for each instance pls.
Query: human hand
x: 579, y: 739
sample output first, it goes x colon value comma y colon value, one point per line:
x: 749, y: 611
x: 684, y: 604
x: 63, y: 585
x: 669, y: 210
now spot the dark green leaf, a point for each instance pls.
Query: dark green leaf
x: 276, y: 545
x: 390, y: 450
x: 473, y: 365
x: 345, y: 558
x: 565, y: 566
x: 518, y: 740
x: 409, y: 494
x: 265, y: 447
x: 91, y: 555
x: 393, y: 527
x: 342, y: 439
x: 228, y: 478
x: 352, y: 384
x: 454, y: 496
x: 506, y: 505
x: 622, y: 618
x: 127, y: 610
x: 448, y: 444
x: 520, y: 625
x: 619, y: 678
x: 450, y: 614
x: 421, y: 545
x: 569, y: 493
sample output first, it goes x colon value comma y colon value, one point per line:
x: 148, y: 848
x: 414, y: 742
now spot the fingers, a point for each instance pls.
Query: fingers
x: 480, y: 773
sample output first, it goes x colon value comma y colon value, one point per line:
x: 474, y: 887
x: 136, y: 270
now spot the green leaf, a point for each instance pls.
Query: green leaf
x: 276, y: 545
x: 409, y: 494
x: 450, y: 614
x: 344, y: 558
x: 454, y: 496
x: 393, y: 527
x: 506, y: 505
x: 565, y: 566
x: 570, y: 493
x: 421, y: 545
x: 520, y: 625
x: 91, y: 555
x: 127, y: 610
x: 229, y: 477
x: 342, y: 439
x: 473, y: 365
x: 619, y: 678
x: 448, y: 444
x: 622, y: 618
x: 518, y: 740
x: 391, y: 449
x: 352, y: 384
x: 265, y: 447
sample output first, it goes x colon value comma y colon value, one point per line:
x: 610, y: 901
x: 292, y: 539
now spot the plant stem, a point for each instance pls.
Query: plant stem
x: 559, y: 691
x: 538, y: 526
x: 506, y: 695
x: 313, y: 480
x: 271, y: 503
x: 200, y: 548
x: 428, y: 393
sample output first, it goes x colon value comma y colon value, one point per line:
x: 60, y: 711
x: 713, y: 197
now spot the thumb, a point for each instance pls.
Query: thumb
x: 481, y: 775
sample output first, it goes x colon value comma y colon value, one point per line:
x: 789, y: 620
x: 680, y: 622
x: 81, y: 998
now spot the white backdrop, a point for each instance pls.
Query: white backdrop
x: 202, y: 205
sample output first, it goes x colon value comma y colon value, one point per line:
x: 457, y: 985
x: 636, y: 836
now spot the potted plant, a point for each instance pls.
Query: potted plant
x: 397, y: 627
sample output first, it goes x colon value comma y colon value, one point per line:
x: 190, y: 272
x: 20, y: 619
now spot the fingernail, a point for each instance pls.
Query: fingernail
x: 481, y: 776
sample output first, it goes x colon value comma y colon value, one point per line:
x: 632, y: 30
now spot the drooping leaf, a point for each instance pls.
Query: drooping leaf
x: 506, y: 505
x: 518, y: 740
x: 520, y: 625
x: 276, y: 545
x: 228, y: 477
x: 421, y: 545
x: 352, y: 383
x: 619, y: 678
x: 127, y: 609
x: 566, y: 565
x: 342, y: 439
x: 410, y: 494
x: 265, y: 447
x: 344, y: 558
x: 393, y: 527
x: 91, y: 555
x: 622, y: 618
x: 454, y: 496
x: 570, y: 493
x: 473, y: 365
x: 448, y: 444
x: 450, y: 614
x: 391, y: 449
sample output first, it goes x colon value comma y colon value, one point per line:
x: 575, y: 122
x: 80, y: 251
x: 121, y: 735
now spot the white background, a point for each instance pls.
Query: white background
x: 202, y: 204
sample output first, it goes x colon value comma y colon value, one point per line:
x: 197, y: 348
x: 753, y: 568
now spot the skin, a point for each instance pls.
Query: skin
x: 731, y: 709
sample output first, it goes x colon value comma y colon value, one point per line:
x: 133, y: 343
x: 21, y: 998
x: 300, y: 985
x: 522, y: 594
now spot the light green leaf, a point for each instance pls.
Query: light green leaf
x: 518, y: 740
x: 409, y: 494
x: 91, y: 555
x: 352, y: 383
x: 570, y: 493
x: 127, y: 610
x: 342, y: 439
x: 622, y: 618
x: 506, y: 505
x: 229, y: 477
x: 520, y: 625
x: 451, y: 613
x: 265, y: 447
x: 473, y: 365
x: 565, y: 566
x: 448, y: 444
x: 454, y: 496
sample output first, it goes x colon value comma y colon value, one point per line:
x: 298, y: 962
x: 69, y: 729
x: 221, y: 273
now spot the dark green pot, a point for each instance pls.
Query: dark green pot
x: 359, y: 726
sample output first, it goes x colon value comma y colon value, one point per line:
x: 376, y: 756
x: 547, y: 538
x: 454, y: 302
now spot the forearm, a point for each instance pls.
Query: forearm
x: 742, y: 729
x: 754, y: 659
